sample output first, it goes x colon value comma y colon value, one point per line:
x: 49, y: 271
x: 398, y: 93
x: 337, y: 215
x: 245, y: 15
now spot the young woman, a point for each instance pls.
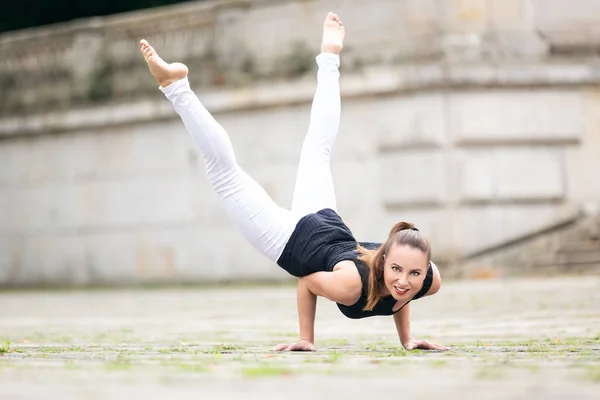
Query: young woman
x: 310, y: 241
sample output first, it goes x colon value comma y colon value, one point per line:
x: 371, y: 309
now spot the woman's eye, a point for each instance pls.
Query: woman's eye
x: 395, y: 269
x: 416, y: 273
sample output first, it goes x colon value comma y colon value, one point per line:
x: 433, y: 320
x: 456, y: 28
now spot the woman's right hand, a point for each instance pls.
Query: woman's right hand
x: 303, y: 345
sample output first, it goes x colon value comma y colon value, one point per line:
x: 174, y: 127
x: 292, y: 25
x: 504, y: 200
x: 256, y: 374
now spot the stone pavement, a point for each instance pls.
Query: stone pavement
x: 511, y: 339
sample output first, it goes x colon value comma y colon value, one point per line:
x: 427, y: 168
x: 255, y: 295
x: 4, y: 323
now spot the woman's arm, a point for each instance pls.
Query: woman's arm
x: 402, y: 320
x: 342, y: 286
x: 307, y: 307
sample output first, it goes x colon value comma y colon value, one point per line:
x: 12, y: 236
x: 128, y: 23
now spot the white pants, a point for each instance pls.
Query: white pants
x: 263, y: 223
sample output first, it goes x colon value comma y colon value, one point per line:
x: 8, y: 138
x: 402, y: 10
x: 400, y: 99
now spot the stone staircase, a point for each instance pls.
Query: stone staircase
x: 571, y: 248
x: 579, y: 255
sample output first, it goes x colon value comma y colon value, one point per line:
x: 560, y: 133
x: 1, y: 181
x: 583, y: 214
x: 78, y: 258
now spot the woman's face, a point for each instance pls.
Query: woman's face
x: 404, y: 270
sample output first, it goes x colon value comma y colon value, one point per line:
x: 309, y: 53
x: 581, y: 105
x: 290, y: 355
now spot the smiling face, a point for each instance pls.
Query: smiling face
x: 404, y: 270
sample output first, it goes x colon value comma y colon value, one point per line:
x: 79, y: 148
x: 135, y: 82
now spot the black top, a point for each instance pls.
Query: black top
x: 322, y: 240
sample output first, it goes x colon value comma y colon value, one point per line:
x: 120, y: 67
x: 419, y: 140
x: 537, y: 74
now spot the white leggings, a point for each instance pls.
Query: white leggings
x: 263, y: 223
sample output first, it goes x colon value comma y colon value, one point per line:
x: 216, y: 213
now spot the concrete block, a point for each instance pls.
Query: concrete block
x: 520, y: 46
x: 526, y: 174
x: 418, y: 177
x: 42, y: 206
x: 509, y: 15
x: 152, y: 148
x: 246, y: 263
x: 477, y: 175
x: 560, y: 15
x: 112, y: 257
x: 583, y: 162
x: 483, y: 227
x: 182, y: 254
x: 6, y: 206
x: 155, y: 199
x: 511, y: 174
x: 14, y: 163
x: 466, y: 15
x: 10, y: 253
x: 152, y: 199
x: 148, y: 149
x: 358, y: 195
x: 420, y: 16
x: 412, y: 121
x: 52, y: 259
x: 267, y: 136
x: 210, y: 253
x: 516, y: 116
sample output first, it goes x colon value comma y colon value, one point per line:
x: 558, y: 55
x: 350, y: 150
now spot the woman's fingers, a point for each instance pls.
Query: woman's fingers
x: 281, y: 347
x: 435, y: 346
x: 299, y: 346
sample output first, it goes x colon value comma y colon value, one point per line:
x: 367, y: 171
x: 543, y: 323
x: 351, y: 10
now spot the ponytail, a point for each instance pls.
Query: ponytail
x: 402, y: 225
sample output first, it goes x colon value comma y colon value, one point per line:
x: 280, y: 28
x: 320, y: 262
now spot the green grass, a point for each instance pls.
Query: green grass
x: 334, y: 357
x: 121, y: 363
x: 439, y: 363
x: 264, y: 371
x: 5, y: 347
x: 217, y: 349
x: 489, y: 373
x: 196, y: 367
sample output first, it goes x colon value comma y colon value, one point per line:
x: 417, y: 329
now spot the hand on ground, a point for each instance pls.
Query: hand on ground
x: 303, y: 345
x: 424, y: 345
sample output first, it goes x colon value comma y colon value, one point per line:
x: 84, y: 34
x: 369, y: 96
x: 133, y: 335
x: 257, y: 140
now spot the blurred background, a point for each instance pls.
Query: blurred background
x: 478, y: 120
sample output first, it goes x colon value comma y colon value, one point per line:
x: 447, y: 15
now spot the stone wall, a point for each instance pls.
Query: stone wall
x: 477, y: 120
x: 238, y: 42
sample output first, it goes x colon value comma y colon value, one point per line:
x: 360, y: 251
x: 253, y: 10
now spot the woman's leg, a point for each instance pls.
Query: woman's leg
x: 264, y: 224
x: 314, y: 185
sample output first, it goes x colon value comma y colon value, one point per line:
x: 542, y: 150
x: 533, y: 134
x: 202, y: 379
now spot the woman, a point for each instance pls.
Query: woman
x: 310, y: 241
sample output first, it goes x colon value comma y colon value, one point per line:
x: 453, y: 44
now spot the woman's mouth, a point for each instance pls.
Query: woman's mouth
x: 399, y: 291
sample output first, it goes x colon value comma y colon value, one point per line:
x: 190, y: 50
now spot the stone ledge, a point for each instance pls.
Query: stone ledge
x: 375, y: 80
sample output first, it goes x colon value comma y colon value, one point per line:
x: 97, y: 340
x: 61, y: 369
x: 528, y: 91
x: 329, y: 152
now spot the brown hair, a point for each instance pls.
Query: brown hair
x: 403, y: 233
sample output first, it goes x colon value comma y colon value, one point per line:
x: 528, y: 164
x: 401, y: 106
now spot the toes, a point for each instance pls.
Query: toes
x: 334, y: 18
x: 148, y: 52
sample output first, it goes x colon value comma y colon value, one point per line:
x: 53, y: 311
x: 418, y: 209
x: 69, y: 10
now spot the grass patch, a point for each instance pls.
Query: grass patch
x: 50, y: 350
x: 264, y: 371
x: 439, y: 363
x: 217, y: 349
x: 119, y: 364
x: 592, y: 373
x: 192, y: 367
x: 334, y: 357
x: 5, y: 347
x: 226, y: 348
x: 489, y: 373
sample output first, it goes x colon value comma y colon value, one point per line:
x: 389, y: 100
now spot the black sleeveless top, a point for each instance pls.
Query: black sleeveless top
x: 322, y: 240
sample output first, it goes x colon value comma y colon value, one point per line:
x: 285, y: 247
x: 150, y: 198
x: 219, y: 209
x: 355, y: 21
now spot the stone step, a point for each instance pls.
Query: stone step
x: 583, y: 257
x: 580, y: 246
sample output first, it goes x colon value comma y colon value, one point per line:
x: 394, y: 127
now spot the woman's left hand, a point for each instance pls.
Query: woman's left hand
x: 424, y: 345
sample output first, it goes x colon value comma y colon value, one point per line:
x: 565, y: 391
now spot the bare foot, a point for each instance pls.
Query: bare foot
x: 164, y: 73
x: 333, y: 34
